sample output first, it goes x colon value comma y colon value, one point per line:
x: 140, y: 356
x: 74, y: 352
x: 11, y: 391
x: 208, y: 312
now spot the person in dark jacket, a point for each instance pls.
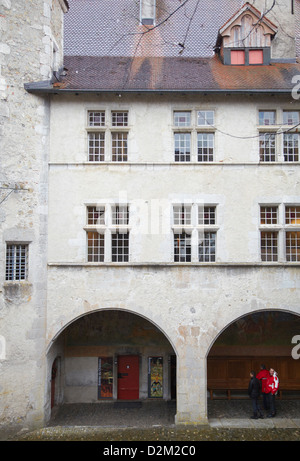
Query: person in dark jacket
x: 254, y: 393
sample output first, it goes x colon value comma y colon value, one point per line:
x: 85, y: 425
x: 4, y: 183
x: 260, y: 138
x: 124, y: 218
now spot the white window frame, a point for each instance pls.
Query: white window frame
x: 107, y: 227
x: 107, y: 135
x: 281, y: 230
x: 191, y: 232
x: 186, y: 124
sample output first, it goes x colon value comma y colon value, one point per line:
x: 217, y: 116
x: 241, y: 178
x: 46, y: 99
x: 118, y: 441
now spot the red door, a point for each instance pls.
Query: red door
x: 128, y: 377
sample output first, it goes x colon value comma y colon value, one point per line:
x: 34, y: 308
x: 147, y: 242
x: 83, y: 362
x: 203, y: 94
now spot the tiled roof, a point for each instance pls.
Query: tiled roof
x: 111, y: 28
x: 171, y: 74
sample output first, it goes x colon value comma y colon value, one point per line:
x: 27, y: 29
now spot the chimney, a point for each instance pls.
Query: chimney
x: 147, y: 12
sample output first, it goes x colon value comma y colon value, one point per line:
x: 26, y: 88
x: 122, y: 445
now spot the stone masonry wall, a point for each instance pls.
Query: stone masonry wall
x: 26, y: 54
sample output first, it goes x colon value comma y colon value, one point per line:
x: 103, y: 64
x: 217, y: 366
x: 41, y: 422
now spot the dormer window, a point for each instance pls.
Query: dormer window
x: 245, y: 40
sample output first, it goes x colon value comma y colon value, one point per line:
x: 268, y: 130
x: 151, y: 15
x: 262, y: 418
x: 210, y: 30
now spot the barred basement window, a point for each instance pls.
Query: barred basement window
x: 16, y: 262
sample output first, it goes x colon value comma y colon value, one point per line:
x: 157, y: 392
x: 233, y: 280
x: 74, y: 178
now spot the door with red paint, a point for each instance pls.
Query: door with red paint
x: 128, y: 377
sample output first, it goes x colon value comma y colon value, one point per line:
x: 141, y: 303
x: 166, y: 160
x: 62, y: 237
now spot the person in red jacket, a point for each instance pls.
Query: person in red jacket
x: 263, y: 375
x: 271, y: 390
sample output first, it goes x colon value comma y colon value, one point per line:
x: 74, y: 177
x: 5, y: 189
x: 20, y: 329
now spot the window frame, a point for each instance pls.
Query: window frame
x: 108, y: 138
x: 103, y: 232
x: 193, y: 233
x: 16, y: 263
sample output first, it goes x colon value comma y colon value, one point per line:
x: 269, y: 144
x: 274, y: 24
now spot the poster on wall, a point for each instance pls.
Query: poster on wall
x: 105, y: 377
x: 155, y: 377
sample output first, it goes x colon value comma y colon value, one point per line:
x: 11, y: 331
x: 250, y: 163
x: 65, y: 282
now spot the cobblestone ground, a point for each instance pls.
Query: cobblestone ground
x: 155, y: 422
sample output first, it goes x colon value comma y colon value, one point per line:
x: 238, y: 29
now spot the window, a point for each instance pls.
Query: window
x: 182, y: 147
x: 120, y: 247
x: 182, y: 118
x: 238, y: 57
x: 119, y: 147
x: 256, y: 57
x: 182, y: 247
x: 96, y: 147
x: 16, y: 262
x: 119, y: 118
x: 280, y: 233
x: 269, y: 238
x: 96, y: 118
x: 290, y: 117
x: 205, y: 118
x: 267, y: 152
x: 205, y: 147
x: 207, y: 238
x: 291, y: 147
x: 195, y: 231
x: 193, y: 136
x: 107, y: 232
x: 267, y: 117
x: 292, y: 237
x: 105, y: 141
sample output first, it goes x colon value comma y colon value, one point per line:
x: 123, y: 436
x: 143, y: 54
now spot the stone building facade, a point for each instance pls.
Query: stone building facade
x: 154, y: 193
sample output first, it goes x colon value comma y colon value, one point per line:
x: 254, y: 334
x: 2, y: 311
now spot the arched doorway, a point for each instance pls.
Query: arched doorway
x: 112, y: 355
x: 259, y: 338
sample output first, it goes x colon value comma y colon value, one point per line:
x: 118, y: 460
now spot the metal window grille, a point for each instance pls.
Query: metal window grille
x: 267, y: 147
x: 96, y: 147
x: 268, y: 214
x: 96, y: 118
x: 290, y: 117
x: 16, y: 262
x: 96, y: 215
x: 120, y: 247
x: 292, y: 215
x: 95, y: 247
x: 182, y: 147
x: 182, y: 247
x: 267, y: 117
x: 269, y: 246
x: 120, y: 215
x: 119, y: 147
x: 182, y: 215
x: 205, y: 118
x: 207, y: 215
x: 207, y: 247
x: 119, y: 118
x: 205, y: 147
x: 293, y: 246
x: 291, y: 147
x: 182, y: 118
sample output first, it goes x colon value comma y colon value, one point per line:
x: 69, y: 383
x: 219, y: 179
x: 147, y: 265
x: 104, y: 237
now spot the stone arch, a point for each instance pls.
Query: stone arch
x: 92, y: 347
x: 248, y: 341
